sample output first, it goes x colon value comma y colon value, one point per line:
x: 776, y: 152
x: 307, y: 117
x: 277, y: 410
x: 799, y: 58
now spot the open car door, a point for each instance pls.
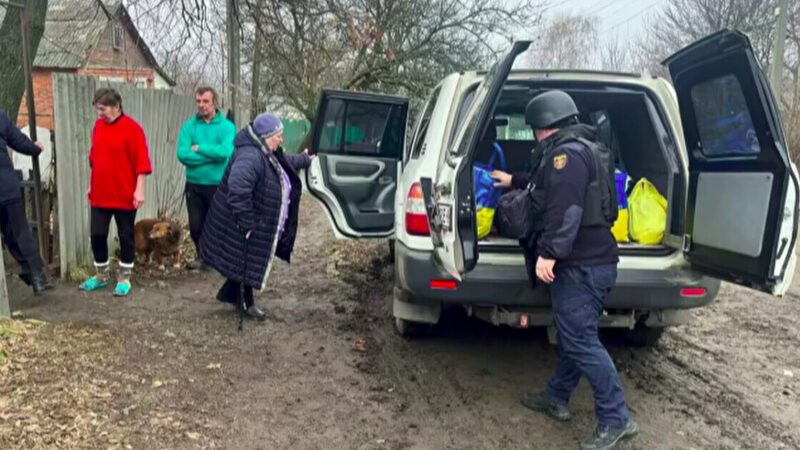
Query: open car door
x: 742, y: 207
x: 450, y: 198
x: 358, y: 139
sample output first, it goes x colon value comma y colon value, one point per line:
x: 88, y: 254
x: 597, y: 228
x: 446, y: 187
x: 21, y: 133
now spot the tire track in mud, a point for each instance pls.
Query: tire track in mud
x: 425, y: 397
x: 712, y: 379
x: 699, y: 392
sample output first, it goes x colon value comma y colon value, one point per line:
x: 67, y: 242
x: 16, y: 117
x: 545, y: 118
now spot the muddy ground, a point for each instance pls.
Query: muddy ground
x: 167, y: 368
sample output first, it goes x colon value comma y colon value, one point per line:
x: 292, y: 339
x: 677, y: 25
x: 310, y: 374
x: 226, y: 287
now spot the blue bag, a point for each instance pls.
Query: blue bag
x: 486, y: 194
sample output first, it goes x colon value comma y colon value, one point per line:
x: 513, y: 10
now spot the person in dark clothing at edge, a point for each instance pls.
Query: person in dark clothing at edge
x: 253, y: 216
x: 205, y: 145
x: 16, y: 235
x: 575, y: 253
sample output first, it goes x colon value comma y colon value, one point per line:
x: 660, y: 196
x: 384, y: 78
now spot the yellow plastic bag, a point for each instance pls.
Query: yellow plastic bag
x: 648, y: 213
x: 620, y: 228
x: 484, y: 218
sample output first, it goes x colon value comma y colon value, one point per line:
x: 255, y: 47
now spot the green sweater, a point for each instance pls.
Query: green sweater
x: 214, y: 141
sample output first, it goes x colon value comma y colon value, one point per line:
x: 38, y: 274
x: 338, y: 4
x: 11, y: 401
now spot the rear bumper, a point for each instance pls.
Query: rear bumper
x: 508, y: 286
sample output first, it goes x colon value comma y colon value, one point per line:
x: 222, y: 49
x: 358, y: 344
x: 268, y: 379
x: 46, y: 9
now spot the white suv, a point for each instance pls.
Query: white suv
x: 713, y: 146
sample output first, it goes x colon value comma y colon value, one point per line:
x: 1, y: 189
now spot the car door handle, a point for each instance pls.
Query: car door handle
x: 386, y: 179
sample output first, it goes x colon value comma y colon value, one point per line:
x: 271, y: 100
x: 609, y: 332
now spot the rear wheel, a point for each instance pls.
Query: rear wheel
x: 643, y: 336
x: 411, y: 330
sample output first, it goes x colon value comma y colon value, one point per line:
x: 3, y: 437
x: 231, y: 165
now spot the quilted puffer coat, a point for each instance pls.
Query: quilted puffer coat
x: 249, y: 198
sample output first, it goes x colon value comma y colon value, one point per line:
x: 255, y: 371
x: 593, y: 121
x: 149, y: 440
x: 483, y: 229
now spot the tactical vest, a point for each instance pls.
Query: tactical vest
x: 600, y: 199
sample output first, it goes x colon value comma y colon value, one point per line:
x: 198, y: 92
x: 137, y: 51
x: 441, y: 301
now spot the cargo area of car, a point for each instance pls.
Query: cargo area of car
x: 629, y: 122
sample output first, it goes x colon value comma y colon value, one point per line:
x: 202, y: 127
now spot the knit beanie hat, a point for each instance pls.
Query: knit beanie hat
x: 267, y: 125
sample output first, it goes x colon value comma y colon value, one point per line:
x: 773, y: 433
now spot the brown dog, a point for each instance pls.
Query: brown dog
x: 157, y: 239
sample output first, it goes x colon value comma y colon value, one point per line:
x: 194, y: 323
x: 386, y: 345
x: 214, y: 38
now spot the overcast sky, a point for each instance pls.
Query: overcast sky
x: 625, y: 18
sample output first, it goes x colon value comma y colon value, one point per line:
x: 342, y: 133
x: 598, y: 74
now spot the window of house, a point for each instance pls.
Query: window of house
x: 116, y: 39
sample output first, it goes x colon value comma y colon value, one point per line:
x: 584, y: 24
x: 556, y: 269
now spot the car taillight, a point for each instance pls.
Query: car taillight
x: 416, y: 216
x: 447, y: 285
x: 693, y: 292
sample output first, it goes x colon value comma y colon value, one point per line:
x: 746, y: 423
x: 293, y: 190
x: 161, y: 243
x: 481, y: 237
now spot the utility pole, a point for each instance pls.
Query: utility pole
x: 234, y: 63
x: 776, y: 69
x: 255, y: 86
x: 27, y: 67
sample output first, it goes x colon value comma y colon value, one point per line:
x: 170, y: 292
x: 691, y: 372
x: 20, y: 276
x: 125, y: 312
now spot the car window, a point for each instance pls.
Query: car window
x: 422, y: 126
x: 362, y: 128
x: 466, y: 102
x: 514, y: 128
x: 723, y: 119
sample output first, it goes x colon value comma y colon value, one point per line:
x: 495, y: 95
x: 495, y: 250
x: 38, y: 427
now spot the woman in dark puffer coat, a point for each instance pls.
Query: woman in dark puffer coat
x: 253, y: 216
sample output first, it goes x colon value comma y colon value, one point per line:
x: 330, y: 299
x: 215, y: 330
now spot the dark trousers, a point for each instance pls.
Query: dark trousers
x: 231, y: 290
x: 99, y: 221
x: 18, y: 238
x: 578, y: 294
x: 198, y: 202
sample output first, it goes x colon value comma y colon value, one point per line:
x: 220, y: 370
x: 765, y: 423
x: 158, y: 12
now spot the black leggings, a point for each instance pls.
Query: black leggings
x: 100, y: 219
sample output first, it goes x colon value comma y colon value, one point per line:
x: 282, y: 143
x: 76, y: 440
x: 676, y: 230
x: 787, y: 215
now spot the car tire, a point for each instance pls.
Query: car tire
x: 391, y: 250
x: 410, y: 330
x: 643, y: 336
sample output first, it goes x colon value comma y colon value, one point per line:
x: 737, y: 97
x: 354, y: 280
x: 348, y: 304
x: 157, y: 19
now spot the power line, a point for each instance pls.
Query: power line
x: 549, y: 7
x: 630, y: 18
x: 601, y: 8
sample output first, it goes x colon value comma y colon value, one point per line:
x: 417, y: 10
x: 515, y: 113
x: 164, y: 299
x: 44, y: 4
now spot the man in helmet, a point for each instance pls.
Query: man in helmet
x: 575, y: 253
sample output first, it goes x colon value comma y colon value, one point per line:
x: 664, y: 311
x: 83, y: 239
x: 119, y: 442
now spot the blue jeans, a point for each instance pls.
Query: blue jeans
x: 577, y: 295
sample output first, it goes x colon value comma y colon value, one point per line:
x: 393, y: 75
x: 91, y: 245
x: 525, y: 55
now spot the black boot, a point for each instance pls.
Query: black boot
x: 26, y: 278
x: 39, y: 283
x: 256, y: 313
x: 607, y: 438
x: 541, y: 402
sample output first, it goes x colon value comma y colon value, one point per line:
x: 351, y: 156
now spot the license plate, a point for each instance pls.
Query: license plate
x: 445, y: 216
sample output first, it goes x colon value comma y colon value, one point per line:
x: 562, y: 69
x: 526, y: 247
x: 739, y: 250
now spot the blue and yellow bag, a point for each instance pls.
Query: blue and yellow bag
x: 620, y: 228
x: 486, y: 194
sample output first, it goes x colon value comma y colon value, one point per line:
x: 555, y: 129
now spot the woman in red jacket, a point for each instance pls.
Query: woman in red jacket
x: 119, y: 163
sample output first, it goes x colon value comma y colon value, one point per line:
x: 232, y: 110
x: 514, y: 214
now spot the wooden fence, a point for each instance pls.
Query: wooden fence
x: 161, y: 114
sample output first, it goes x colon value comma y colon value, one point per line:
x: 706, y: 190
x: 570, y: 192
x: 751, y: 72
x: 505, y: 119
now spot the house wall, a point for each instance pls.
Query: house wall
x: 43, y: 98
x: 160, y: 82
x: 105, y: 56
x: 126, y: 65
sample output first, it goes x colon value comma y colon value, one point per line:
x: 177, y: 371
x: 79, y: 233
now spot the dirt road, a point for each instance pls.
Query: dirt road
x: 168, y: 368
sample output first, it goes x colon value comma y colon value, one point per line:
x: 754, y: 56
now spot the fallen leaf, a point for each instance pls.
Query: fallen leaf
x: 360, y: 345
x: 193, y: 436
x: 788, y: 373
x: 214, y: 366
x: 157, y: 384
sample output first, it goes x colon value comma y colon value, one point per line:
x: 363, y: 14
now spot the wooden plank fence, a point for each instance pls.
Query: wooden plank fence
x: 161, y: 114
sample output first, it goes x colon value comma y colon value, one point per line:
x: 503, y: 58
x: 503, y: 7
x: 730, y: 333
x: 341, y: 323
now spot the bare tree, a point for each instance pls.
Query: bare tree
x: 187, y: 37
x: 12, y: 81
x: 387, y: 45
x: 615, y: 56
x: 567, y: 42
x: 684, y: 21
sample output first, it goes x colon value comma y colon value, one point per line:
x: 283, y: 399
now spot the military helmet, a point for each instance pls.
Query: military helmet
x: 549, y: 108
